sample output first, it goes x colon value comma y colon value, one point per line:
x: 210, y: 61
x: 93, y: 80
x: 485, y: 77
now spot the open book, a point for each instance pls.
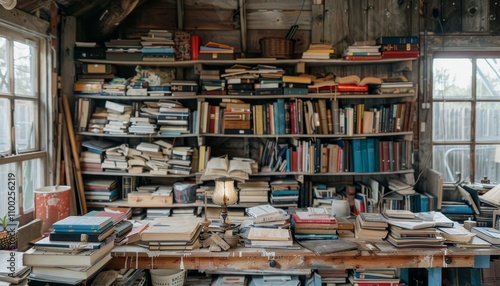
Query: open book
x: 354, y: 79
x: 222, y: 167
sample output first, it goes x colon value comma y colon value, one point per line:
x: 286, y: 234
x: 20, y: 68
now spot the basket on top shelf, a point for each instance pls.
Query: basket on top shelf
x: 279, y: 48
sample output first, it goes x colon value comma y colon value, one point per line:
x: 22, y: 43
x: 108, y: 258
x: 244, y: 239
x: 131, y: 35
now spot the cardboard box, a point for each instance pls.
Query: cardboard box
x: 98, y: 69
x: 137, y: 199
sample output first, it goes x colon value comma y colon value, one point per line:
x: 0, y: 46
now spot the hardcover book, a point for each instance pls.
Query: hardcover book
x: 82, y: 223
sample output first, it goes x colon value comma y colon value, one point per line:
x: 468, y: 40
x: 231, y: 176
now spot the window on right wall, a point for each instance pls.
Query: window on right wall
x: 466, y: 117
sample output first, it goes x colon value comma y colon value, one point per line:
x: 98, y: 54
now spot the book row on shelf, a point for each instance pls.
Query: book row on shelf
x: 234, y: 116
x: 305, y: 156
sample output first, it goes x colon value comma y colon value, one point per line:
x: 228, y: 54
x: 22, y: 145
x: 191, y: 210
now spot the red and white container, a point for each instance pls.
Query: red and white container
x: 52, y: 203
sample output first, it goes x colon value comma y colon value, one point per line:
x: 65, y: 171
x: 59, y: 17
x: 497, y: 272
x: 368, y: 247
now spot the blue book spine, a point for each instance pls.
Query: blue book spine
x: 288, y: 160
x: 276, y: 118
x: 281, y: 115
x: 285, y: 193
x: 424, y: 203
x: 357, y: 155
x: 456, y: 209
x: 80, y: 228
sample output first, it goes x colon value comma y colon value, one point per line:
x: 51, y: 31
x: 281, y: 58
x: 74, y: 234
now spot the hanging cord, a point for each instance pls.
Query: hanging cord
x: 294, y: 27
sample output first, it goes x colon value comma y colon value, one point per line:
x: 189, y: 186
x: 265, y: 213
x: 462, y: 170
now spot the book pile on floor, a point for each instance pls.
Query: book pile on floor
x: 12, y: 269
x: 314, y: 223
x: 386, y: 276
x: 77, y: 249
x: 173, y: 233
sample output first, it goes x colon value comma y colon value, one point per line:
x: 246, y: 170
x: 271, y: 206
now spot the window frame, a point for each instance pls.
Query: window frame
x: 473, y: 142
x: 43, y: 109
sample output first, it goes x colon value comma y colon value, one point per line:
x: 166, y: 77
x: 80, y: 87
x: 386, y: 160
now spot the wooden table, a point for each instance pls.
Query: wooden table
x: 378, y: 254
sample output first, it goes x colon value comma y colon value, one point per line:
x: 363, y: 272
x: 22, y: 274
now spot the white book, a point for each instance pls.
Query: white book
x: 118, y: 107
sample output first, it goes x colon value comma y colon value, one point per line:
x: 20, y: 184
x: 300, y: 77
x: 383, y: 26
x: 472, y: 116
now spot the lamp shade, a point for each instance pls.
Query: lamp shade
x: 224, y: 193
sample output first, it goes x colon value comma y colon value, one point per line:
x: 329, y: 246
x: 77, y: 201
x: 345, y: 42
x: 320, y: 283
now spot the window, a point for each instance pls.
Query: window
x: 466, y: 117
x: 23, y: 140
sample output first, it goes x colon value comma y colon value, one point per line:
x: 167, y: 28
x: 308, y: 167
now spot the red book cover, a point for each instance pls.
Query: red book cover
x: 319, y: 219
x: 400, y: 54
x: 294, y: 161
x: 293, y: 118
x: 346, y: 87
x: 211, y: 124
x: 195, y: 47
x: 385, y: 155
x: 362, y: 58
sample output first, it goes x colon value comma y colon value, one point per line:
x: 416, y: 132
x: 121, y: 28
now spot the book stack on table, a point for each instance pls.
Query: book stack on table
x: 173, y: 233
x: 314, y: 224
x: 77, y: 249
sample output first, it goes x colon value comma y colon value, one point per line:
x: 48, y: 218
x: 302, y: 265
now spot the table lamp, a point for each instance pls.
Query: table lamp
x: 224, y: 195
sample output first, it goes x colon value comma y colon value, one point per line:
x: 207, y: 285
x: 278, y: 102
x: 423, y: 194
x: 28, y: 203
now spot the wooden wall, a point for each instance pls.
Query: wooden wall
x: 242, y: 23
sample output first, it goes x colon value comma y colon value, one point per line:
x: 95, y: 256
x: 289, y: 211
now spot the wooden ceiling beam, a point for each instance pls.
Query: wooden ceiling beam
x: 112, y: 15
x: 31, y: 6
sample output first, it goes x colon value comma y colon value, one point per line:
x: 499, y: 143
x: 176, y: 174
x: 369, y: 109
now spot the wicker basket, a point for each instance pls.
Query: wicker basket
x: 279, y: 48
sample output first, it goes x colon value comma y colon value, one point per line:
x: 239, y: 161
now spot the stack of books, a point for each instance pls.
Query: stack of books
x: 184, y: 87
x: 152, y: 213
x: 211, y: 83
x: 123, y: 50
x: 158, y: 46
x: 362, y: 52
x: 180, y: 160
x: 266, y: 237
x: 115, y: 159
x: 417, y: 231
x: 118, y: 118
x: 267, y: 215
x: 296, y: 84
x: 314, y: 223
x: 320, y: 51
x: 371, y: 226
x: 77, y: 249
x: 239, y: 81
x: 386, y: 276
x: 285, y: 192
x: 332, y: 276
x: 116, y: 87
x: 253, y: 191
x: 274, y: 280
x: 173, y: 118
x: 173, y: 233
x: 398, y: 46
x: 90, y: 161
x: 13, y: 270
x: 101, y: 190
x: 236, y: 118
x: 216, y: 51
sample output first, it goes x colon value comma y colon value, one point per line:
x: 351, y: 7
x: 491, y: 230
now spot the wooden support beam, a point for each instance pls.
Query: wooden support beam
x: 112, y: 15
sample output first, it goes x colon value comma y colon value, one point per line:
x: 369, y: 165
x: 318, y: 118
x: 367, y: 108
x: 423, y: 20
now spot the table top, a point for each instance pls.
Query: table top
x: 368, y: 255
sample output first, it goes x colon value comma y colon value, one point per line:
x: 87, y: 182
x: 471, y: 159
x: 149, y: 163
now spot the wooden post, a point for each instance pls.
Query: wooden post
x: 76, y: 157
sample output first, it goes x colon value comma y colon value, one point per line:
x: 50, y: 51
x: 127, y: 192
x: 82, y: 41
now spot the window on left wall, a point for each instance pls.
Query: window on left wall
x: 24, y: 131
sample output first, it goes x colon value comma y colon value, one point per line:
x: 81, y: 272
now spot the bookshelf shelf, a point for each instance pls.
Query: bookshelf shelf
x: 271, y: 61
x: 332, y: 136
x: 311, y: 95
x: 139, y: 98
x: 135, y: 135
x: 137, y: 174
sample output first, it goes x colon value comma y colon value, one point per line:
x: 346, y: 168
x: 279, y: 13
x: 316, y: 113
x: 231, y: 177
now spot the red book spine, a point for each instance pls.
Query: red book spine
x: 351, y: 87
x: 294, y: 161
x: 195, y: 47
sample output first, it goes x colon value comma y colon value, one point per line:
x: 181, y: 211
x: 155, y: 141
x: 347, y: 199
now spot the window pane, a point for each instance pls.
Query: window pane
x: 451, y: 159
x: 487, y: 119
x: 9, y: 183
x: 32, y: 180
x: 24, y: 120
x: 487, y: 163
x: 451, y: 121
x: 5, y: 138
x: 4, y: 64
x: 488, y: 78
x: 452, y: 78
x: 24, y: 69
